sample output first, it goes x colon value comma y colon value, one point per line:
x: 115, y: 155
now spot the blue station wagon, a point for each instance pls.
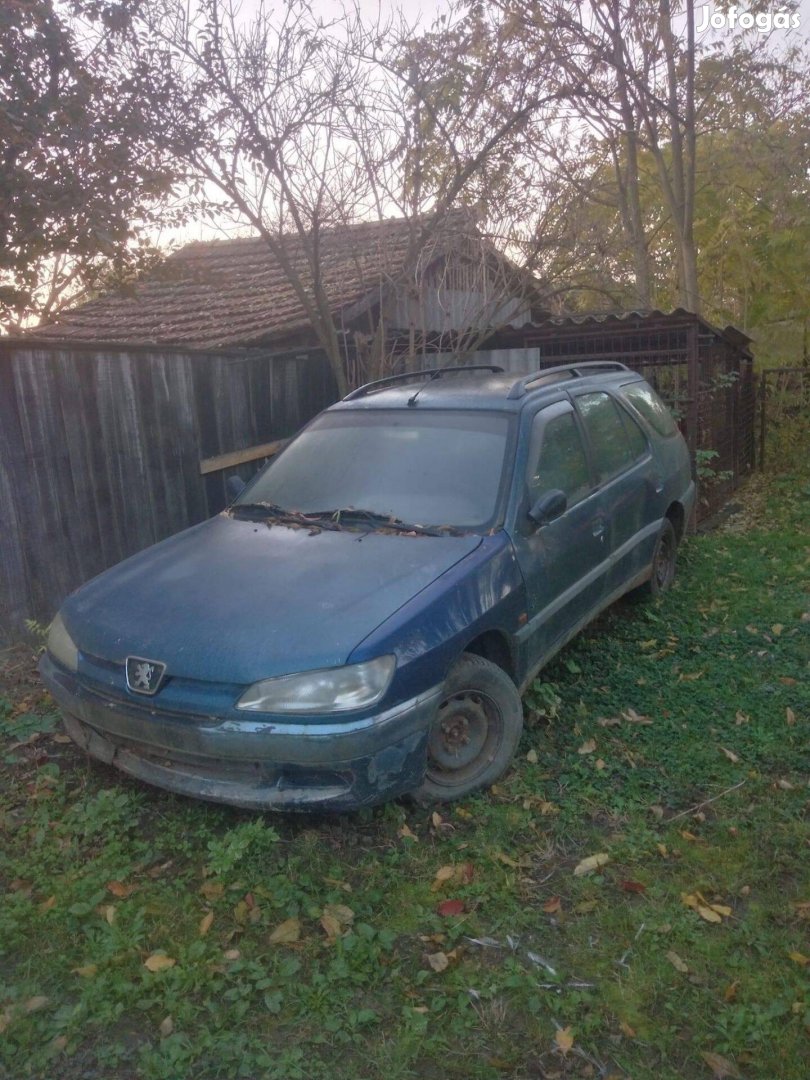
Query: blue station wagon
x: 361, y: 622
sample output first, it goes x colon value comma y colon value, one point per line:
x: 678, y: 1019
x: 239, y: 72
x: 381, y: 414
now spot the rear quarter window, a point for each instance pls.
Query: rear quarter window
x: 650, y: 406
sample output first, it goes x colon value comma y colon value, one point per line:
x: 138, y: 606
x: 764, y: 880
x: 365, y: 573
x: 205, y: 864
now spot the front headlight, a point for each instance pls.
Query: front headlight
x: 61, y: 646
x: 325, y: 691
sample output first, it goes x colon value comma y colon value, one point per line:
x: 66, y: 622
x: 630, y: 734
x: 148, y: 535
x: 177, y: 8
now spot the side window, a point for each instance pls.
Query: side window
x: 638, y: 442
x: 651, y: 407
x: 613, y: 450
x: 560, y: 461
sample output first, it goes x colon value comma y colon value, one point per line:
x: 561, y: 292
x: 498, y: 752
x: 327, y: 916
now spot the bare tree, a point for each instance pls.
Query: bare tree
x: 308, y: 126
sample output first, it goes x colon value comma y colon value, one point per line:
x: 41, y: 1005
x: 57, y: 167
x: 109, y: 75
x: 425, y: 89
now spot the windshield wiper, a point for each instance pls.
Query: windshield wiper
x: 383, y: 521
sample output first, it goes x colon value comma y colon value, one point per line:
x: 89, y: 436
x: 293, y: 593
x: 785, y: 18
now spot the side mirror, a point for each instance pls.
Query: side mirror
x: 548, y: 507
x: 234, y: 485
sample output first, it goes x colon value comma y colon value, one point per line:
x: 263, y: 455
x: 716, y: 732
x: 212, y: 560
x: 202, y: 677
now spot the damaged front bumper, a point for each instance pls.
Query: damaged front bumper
x: 254, y: 763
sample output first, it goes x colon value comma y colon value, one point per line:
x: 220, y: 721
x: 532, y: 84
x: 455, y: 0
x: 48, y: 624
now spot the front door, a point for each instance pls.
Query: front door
x: 564, y: 562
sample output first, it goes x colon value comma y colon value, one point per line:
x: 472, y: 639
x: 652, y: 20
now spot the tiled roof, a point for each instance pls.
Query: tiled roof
x: 225, y: 293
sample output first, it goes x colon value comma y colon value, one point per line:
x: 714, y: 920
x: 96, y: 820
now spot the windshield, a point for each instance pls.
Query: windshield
x: 429, y: 468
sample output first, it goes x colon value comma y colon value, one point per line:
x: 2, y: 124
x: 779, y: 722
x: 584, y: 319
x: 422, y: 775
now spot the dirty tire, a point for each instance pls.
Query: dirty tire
x: 475, y: 733
x: 663, y: 561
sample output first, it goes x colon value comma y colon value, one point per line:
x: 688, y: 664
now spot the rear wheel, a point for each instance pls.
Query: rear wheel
x: 476, y: 731
x: 663, y: 560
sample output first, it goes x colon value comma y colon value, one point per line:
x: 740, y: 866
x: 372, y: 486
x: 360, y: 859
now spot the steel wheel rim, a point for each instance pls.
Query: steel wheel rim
x: 464, y: 737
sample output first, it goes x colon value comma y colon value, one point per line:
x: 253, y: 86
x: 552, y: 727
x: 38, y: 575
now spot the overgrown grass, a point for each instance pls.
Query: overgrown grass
x: 704, y: 695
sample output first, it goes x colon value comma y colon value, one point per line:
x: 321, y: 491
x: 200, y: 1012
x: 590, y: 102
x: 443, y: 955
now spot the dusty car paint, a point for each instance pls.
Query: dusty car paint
x: 231, y: 602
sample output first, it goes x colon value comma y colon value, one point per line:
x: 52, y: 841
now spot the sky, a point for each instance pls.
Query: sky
x: 424, y: 12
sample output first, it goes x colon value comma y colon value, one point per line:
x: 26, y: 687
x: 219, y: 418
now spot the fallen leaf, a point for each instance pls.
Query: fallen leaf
x: 790, y: 716
x: 564, y: 1039
x: 632, y: 717
x: 741, y: 718
x: 787, y: 680
x: 438, y: 961
x: 587, y: 747
x: 730, y: 992
x: 166, y: 1026
x: 785, y: 785
x: 552, y: 905
x: 732, y: 757
x: 342, y: 914
x: 593, y: 862
x: 158, y: 962
x: 46, y: 905
x: 443, y: 874
x: 59, y: 1042
x: 406, y: 834
x: 677, y: 963
x: 585, y: 906
x: 721, y: 1067
x: 212, y: 890
x: 777, y: 629
x: 600, y: 764
x: 626, y: 1029
x: 205, y: 923
x: 662, y: 850
x: 799, y: 958
x: 436, y: 819
x: 331, y: 926
x: 690, y: 836
x: 507, y: 860
x: 286, y: 933
x: 683, y: 677
x: 34, y: 1004
x: 467, y: 872
x: 86, y: 972
x: 531, y: 756
x: 109, y: 913
x: 231, y: 954
x: 633, y: 887
x: 712, y: 913
x: 120, y: 890
x: 609, y: 721
x: 451, y: 907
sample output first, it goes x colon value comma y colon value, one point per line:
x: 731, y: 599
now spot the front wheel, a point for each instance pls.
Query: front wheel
x: 476, y: 731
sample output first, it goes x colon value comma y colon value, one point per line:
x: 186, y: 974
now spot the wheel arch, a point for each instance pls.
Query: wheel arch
x: 493, y: 645
x: 677, y: 516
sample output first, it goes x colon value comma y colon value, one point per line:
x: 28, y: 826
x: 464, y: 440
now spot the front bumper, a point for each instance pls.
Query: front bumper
x: 253, y: 763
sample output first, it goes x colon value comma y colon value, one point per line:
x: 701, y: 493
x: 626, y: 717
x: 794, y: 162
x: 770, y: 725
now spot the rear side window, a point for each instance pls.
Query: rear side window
x: 651, y: 407
x: 561, y: 462
x: 613, y: 449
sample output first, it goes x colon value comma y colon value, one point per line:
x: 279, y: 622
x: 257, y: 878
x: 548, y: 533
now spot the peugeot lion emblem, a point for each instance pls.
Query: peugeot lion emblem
x: 144, y: 676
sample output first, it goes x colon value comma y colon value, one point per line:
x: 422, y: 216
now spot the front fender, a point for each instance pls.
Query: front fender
x: 484, y: 591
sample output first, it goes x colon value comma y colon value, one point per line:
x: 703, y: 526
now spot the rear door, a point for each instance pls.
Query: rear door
x: 563, y: 563
x: 628, y: 482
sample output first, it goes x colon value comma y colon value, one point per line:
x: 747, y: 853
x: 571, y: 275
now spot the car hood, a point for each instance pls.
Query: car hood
x: 236, y: 601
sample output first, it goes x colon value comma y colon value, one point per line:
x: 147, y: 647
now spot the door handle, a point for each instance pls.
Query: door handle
x: 598, y: 529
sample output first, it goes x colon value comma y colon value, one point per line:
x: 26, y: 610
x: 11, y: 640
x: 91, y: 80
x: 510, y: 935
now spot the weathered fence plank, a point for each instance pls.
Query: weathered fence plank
x: 100, y: 452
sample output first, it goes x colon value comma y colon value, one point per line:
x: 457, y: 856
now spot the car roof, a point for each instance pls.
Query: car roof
x: 480, y: 388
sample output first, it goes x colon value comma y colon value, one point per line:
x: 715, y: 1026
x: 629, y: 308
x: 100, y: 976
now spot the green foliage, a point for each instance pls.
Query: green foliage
x: 82, y: 166
x: 251, y: 838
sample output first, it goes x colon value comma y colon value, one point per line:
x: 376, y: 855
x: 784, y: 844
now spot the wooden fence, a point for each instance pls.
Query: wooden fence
x: 101, y: 452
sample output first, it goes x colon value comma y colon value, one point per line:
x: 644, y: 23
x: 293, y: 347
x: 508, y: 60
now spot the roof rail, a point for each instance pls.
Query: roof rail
x: 564, y: 372
x: 409, y: 376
